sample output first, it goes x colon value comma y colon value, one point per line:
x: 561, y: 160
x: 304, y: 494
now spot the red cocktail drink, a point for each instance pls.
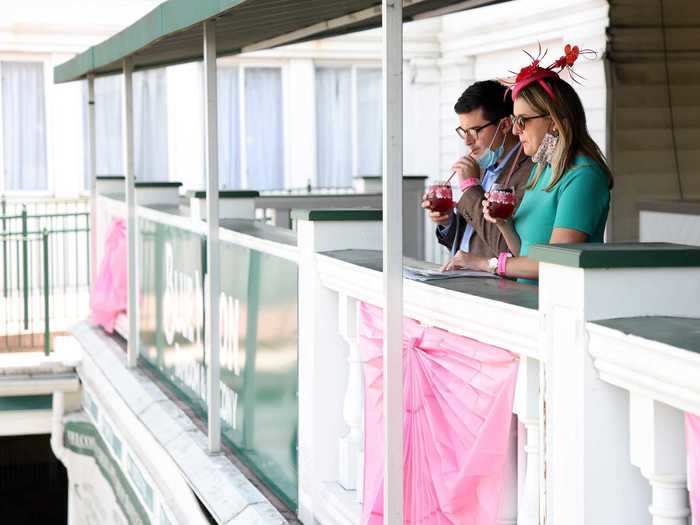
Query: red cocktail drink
x: 439, y: 196
x: 501, y: 202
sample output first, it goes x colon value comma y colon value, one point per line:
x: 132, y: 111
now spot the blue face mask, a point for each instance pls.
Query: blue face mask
x: 490, y: 156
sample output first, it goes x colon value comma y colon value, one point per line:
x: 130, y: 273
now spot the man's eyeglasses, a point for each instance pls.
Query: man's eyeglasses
x: 473, y: 132
x: 520, y: 121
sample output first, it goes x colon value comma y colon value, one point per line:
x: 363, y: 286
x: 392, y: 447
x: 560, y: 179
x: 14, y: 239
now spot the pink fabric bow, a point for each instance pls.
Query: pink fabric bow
x: 458, y: 397
x: 108, y: 295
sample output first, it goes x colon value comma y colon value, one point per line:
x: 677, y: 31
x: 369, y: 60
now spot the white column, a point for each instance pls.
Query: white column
x: 657, y: 437
x: 213, y: 259
x: 323, y: 364
x: 530, y: 471
x: 589, y: 475
x: 92, y: 174
x: 131, y: 224
x: 392, y: 36
x: 350, y: 446
x: 508, y: 507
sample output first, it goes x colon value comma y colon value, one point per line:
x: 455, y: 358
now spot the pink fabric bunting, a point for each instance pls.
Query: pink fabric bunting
x: 109, y: 293
x: 458, y: 397
x: 692, y: 440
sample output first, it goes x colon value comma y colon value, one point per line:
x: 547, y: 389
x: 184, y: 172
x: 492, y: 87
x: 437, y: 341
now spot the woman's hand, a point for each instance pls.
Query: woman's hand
x: 466, y: 261
x: 487, y: 214
x: 467, y: 168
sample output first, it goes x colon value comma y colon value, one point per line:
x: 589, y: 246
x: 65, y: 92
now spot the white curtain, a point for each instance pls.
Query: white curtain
x: 229, y: 128
x: 369, y: 121
x: 264, y: 132
x: 24, y: 125
x: 150, y: 125
x: 333, y: 127
x: 108, y: 125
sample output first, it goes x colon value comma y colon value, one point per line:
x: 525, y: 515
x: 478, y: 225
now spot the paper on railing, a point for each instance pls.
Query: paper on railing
x: 432, y: 274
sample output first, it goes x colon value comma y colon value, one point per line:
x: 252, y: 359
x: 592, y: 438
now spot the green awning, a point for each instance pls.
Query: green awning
x: 172, y: 33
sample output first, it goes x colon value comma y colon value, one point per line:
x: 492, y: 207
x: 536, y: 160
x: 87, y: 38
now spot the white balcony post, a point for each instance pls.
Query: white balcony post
x: 350, y: 445
x: 92, y: 175
x: 392, y: 37
x: 530, y: 471
x: 657, y: 435
x: 508, y: 507
x: 131, y: 223
x: 323, y: 363
x: 212, y: 340
x: 590, y: 478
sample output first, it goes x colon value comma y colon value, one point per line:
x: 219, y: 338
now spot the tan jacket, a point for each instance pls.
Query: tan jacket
x: 487, y: 240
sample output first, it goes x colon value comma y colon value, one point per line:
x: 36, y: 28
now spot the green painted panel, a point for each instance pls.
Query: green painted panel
x: 259, y: 334
x: 26, y: 402
x: 83, y: 438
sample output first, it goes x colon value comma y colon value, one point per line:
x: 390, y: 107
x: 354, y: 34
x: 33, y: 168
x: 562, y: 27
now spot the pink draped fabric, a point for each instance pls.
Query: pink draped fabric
x: 458, y: 397
x: 692, y: 440
x: 108, y: 296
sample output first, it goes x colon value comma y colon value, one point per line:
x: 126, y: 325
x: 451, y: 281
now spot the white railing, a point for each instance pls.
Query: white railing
x: 330, y: 455
x: 592, y: 406
x: 661, y: 382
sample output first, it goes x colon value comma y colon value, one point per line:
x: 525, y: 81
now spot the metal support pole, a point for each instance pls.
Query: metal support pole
x: 92, y: 174
x: 132, y: 353
x: 47, y: 319
x: 212, y: 331
x: 25, y: 267
x: 392, y: 19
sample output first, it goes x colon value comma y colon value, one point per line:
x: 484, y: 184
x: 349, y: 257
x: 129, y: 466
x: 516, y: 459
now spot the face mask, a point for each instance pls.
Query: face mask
x: 490, y: 156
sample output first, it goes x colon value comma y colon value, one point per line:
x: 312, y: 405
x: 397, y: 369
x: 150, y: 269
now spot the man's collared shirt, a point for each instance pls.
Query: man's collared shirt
x: 490, y: 175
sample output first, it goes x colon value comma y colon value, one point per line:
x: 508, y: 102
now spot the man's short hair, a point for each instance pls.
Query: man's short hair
x: 488, y: 95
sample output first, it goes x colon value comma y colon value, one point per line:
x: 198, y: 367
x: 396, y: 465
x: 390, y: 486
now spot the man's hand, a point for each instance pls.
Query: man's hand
x: 443, y: 219
x: 466, y: 261
x: 466, y: 168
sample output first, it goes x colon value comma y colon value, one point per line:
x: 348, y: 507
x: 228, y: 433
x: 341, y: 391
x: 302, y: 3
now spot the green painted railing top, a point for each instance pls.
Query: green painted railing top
x: 681, y: 332
x: 617, y: 255
x: 172, y: 32
x: 350, y: 214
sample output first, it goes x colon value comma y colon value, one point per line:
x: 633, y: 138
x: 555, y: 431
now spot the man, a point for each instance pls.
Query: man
x: 483, y: 112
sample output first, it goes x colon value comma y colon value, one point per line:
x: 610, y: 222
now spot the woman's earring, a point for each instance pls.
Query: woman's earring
x: 545, y: 152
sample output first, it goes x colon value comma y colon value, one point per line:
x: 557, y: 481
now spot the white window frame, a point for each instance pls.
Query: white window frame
x: 354, y: 66
x: 242, y: 64
x: 45, y: 63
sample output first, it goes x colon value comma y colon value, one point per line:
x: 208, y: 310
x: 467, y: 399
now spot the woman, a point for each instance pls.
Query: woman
x: 568, y: 194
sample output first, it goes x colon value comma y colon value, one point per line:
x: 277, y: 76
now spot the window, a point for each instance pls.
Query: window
x: 108, y: 127
x: 348, y: 124
x: 333, y: 127
x: 229, y: 128
x: 264, y: 147
x: 150, y: 125
x: 23, y: 126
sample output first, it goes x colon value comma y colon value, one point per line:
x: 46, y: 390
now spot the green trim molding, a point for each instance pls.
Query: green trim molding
x: 349, y: 214
x: 11, y: 403
x: 110, y: 177
x: 617, y: 255
x: 225, y: 194
x: 156, y: 184
x: 679, y: 332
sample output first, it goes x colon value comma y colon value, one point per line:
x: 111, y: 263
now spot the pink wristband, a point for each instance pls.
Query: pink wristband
x: 502, y: 258
x: 468, y: 183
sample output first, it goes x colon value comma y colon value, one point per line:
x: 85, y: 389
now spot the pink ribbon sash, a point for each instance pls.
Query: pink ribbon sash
x: 108, y: 295
x: 458, y: 398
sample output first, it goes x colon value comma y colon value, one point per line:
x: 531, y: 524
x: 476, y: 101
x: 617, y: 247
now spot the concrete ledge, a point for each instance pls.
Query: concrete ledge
x: 168, y: 443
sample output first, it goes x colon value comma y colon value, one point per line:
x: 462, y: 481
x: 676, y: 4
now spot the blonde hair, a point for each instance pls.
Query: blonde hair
x: 569, y: 117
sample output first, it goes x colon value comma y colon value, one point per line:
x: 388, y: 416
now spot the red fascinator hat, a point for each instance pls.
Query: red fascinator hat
x: 536, y: 73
